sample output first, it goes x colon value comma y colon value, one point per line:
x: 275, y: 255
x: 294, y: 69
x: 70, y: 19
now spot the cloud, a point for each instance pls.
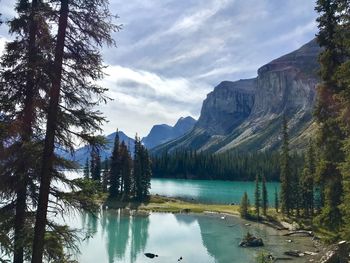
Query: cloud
x: 140, y: 97
x: 171, y: 53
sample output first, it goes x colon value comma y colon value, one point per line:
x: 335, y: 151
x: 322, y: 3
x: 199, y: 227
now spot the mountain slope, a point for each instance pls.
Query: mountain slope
x: 246, y: 115
x: 81, y: 154
x: 163, y: 133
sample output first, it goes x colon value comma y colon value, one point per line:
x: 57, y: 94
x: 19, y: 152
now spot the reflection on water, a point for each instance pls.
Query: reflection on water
x: 118, y: 236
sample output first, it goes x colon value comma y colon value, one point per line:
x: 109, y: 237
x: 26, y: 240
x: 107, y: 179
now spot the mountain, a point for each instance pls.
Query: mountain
x: 81, y: 154
x: 163, y: 133
x: 246, y: 115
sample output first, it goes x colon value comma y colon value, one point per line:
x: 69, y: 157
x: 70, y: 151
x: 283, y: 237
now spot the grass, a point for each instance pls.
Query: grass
x: 158, y: 203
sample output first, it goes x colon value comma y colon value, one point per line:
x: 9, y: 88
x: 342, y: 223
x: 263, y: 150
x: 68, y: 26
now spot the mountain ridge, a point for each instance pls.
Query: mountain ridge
x: 246, y: 115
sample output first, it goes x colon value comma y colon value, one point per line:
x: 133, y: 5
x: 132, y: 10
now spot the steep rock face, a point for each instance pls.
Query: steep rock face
x: 163, y: 133
x: 227, y: 106
x: 246, y: 115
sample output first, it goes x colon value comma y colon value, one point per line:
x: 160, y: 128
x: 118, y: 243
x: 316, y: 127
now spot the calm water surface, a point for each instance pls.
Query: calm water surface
x: 223, y: 192
x: 117, y: 236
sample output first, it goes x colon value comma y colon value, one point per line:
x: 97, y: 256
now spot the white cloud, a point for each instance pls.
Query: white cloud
x: 141, y: 97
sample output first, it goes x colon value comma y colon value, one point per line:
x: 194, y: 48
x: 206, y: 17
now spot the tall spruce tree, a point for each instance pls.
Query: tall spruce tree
x: 307, y: 182
x: 329, y: 134
x: 86, y: 170
x: 82, y: 27
x: 126, y: 166
x: 264, y: 196
x: 286, y: 200
x: 105, y: 176
x: 115, y: 169
x: 137, y: 171
x: 257, y: 196
x: 277, y: 204
x: 21, y: 79
x: 244, y: 206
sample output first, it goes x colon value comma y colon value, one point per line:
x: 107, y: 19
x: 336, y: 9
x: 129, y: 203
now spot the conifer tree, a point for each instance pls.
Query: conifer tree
x: 329, y: 134
x: 82, y: 28
x: 105, y: 176
x: 95, y: 165
x: 115, y: 168
x: 257, y: 196
x: 307, y: 182
x: 264, y: 196
x: 86, y: 169
x: 137, y: 172
x: 277, y: 204
x: 286, y: 200
x: 126, y: 165
x: 244, y: 206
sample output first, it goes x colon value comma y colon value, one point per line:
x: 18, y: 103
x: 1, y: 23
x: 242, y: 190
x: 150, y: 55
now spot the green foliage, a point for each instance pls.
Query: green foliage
x: 264, y: 257
x: 115, y: 168
x: 286, y: 182
x: 277, y: 203
x: 225, y: 166
x: 257, y: 196
x: 142, y: 171
x: 333, y: 36
x: 86, y: 170
x: 264, y: 201
x: 244, y: 206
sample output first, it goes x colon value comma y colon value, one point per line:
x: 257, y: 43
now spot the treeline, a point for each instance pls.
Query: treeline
x: 224, y: 166
x: 301, y: 193
x: 122, y: 177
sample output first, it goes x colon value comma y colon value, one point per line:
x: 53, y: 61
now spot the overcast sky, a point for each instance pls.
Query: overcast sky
x: 171, y: 53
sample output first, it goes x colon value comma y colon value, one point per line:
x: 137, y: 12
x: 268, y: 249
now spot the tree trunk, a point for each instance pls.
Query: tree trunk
x: 27, y: 130
x: 48, y: 154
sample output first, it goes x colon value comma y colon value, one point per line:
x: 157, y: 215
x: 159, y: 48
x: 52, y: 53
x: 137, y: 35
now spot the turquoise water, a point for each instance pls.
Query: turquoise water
x: 118, y: 236
x: 223, y: 192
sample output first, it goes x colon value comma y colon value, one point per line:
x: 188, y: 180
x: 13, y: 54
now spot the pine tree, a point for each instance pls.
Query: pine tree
x: 277, y: 203
x: 21, y: 76
x: 86, y: 169
x: 286, y: 201
x: 82, y: 28
x: 257, y: 196
x: 137, y: 172
x: 329, y: 134
x: 115, y: 168
x: 126, y: 165
x: 105, y: 176
x: 244, y: 206
x: 307, y: 182
x: 264, y: 196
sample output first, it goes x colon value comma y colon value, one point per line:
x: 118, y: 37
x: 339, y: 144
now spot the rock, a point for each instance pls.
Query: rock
x: 151, y: 255
x: 251, y: 241
x: 337, y: 254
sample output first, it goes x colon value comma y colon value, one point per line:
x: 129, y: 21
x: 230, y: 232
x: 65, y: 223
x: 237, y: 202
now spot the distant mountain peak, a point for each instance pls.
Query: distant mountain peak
x: 162, y: 133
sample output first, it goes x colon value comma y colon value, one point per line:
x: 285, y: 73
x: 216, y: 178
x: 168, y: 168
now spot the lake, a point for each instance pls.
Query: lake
x: 206, y: 191
x: 118, y: 236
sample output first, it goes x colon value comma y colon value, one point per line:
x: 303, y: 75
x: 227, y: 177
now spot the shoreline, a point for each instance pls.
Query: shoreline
x: 162, y: 204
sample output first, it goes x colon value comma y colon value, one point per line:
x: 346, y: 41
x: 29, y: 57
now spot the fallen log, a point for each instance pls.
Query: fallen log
x: 300, y: 232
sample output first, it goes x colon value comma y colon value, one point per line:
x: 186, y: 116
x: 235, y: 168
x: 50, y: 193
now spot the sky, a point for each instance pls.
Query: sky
x: 171, y: 53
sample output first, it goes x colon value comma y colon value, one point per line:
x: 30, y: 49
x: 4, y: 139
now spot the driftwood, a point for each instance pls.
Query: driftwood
x: 300, y: 232
x: 294, y: 253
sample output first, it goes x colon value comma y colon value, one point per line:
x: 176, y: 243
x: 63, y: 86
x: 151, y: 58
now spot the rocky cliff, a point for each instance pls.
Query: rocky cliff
x: 247, y: 114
